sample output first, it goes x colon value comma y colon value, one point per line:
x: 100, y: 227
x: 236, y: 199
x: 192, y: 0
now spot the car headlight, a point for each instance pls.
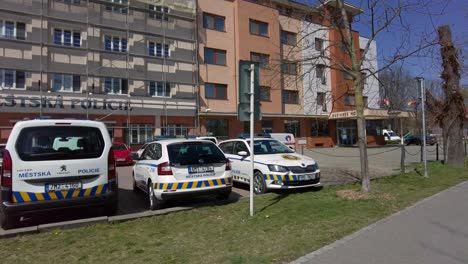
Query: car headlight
x: 317, y: 166
x: 278, y: 168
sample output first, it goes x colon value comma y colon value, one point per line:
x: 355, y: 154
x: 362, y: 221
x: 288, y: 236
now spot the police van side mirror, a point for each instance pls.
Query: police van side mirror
x: 243, y: 153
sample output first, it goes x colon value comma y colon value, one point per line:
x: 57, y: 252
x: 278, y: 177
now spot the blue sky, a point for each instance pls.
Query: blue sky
x: 422, y: 21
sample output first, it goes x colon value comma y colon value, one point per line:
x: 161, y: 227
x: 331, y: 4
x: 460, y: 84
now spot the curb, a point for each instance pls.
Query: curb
x: 310, y: 257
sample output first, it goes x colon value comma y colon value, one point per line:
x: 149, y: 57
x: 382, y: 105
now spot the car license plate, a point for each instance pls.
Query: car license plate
x: 53, y: 187
x: 201, y: 169
x: 306, y: 177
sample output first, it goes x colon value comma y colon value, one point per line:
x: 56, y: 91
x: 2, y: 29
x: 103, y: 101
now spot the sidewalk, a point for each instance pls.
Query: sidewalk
x: 433, y: 231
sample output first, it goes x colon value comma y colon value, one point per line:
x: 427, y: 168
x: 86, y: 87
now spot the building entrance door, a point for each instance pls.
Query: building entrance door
x: 346, y: 132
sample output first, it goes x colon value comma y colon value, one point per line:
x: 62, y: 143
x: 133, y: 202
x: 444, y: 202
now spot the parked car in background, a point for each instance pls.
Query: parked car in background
x: 122, y: 153
x: 276, y: 166
x: 287, y: 139
x: 390, y: 136
x: 412, y: 139
x: 54, y: 164
x: 178, y: 168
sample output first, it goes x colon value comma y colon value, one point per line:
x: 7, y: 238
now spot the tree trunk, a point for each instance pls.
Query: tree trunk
x: 455, y: 110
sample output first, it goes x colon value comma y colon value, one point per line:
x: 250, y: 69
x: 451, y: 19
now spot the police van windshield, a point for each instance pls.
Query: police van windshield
x: 191, y: 153
x: 59, y: 143
x: 269, y: 146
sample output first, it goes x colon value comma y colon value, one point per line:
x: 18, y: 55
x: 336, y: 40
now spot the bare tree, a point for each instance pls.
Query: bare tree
x: 450, y: 111
x: 346, y: 53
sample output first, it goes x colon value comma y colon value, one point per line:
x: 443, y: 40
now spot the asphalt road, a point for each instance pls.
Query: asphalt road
x: 432, y: 232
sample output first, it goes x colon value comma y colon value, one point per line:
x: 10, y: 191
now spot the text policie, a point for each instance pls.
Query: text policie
x: 58, y: 102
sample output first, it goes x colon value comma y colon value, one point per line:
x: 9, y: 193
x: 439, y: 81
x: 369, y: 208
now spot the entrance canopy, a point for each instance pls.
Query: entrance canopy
x: 371, y: 114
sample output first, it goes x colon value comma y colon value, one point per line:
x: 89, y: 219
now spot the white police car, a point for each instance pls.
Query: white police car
x: 276, y: 166
x: 176, y: 168
x: 56, y: 163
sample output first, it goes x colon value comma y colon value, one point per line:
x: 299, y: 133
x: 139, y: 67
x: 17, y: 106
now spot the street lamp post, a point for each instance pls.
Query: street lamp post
x: 423, y: 102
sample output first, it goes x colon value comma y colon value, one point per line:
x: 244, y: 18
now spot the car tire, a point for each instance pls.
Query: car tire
x: 6, y: 222
x: 154, y: 203
x: 259, y: 183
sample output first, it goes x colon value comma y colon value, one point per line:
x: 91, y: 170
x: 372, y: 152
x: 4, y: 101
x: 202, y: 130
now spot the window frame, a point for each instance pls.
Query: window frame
x: 213, y: 18
x: 349, y: 100
x: 264, y: 59
x: 218, y: 126
x: 112, y: 43
x: 165, y: 86
x: 216, y: 86
x: 70, y: 2
x: 289, y: 98
x: 287, y: 36
x: 320, y: 68
x: 72, y: 82
x: 165, y: 51
x: 62, y: 37
x: 15, y: 80
x: 113, y: 80
x: 215, y: 52
x: 264, y: 88
x: 15, y: 35
x: 117, y: 9
x: 319, y: 128
x: 138, y: 128
x: 161, y: 14
x: 288, y: 67
x: 258, y: 23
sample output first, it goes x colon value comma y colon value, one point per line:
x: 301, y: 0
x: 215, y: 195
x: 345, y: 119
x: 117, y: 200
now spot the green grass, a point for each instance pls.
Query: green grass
x: 284, y: 228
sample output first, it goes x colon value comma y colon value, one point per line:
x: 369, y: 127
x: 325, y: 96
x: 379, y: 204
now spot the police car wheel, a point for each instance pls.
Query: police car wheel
x: 154, y: 203
x: 259, y: 183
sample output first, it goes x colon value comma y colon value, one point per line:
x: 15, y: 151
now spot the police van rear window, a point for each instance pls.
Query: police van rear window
x: 59, y: 143
x: 191, y: 153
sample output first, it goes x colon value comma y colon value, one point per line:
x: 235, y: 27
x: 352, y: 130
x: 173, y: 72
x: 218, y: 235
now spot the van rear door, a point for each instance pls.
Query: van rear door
x: 192, y: 160
x: 59, y: 161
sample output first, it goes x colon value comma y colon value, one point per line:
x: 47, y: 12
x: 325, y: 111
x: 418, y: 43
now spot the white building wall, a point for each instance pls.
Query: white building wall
x: 371, y: 88
x: 312, y: 84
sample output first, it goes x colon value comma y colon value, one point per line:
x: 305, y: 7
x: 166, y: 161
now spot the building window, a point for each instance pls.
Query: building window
x: 293, y: 127
x: 319, y: 128
x: 347, y: 76
x: 158, y: 12
x: 67, y: 37
x: 321, y: 99
x: 320, y: 73
x: 140, y: 133
x: 365, y: 100
x: 214, y: 22
x: 158, y: 49
x: 262, y: 59
x: 288, y: 38
x: 218, y: 127
x: 12, y: 30
x: 160, y: 89
x: 115, y: 86
x: 267, y: 126
x: 349, y: 99
x: 265, y: 94
x: 66, y: 83
x: 258, y: 28
x: 289, y: 67
x: 11, y: 79
x: 117, y: 8
x: 113, y: 43
x: 215, y: 56
x: 362, y: 55
x: 175, y: 130
x: 215, y: 91
x: 73, y: 2
x: 318, y: 44
x: 290, y: 97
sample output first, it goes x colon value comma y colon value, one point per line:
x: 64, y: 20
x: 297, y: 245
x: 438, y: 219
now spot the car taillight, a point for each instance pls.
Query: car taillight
x: 228, y: 165
x: 7, y: 169
x: 111, y: 172
x: 164, y: 169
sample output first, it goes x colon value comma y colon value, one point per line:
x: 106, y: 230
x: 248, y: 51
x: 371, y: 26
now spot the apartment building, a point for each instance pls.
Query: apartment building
x: 131, y: 64
x: 301, y: 91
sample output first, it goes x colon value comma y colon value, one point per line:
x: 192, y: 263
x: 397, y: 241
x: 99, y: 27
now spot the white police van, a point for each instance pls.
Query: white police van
x: 276, y: 166
x: 56, y: 163
x: 177, y: 168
